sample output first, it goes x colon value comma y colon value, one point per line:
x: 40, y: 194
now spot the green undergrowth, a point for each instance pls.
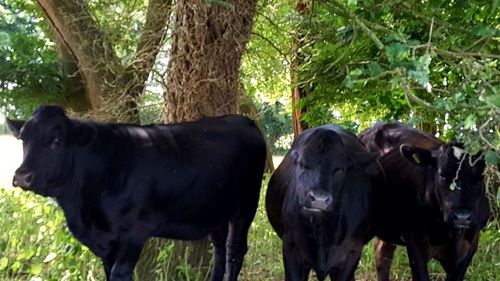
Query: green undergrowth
x: 35, y: 245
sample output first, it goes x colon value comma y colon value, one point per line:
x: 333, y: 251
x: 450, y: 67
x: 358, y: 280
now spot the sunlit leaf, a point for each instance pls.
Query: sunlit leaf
x: 26, y: 254
x: 4, y: 262
x: 470, y: 121
x: 50, y: 257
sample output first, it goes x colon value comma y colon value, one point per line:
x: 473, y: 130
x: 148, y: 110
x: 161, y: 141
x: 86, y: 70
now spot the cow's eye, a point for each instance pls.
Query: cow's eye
x: 302, y: 166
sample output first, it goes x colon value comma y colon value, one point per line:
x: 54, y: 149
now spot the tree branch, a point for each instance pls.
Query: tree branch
x: 464, y: 54
x: 155, y: 30
x: 272, y: 45
x: 361, y: 25
x: 411, y: 97
x: 95, y: 55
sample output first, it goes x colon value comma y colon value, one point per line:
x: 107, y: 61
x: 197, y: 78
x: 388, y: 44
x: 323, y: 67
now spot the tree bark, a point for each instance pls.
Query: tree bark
x: 209, y: 41
x: 298, y: 90
x: 203, y: 72
x: 72, y: 81
x: 111, y: 87
x: 73, y: 23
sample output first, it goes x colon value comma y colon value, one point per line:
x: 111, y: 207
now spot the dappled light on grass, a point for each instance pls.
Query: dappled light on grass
x: 34, y: 241
x: 36, y: 245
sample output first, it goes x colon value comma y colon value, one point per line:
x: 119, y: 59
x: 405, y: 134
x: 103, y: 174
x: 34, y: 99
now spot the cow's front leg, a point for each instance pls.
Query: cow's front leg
x: 127, y: 255
x: 346, y: 271
x: 456, y: 271
x: 296, y: 268
x: 418, y: 258
x: 108, y: 262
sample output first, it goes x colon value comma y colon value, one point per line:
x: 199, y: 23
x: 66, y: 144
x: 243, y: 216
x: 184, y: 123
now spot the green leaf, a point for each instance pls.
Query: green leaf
x: 348, y: 82
x: 15, y: 267
x: 493, y: 99
x: 421, y: 72
x: 491, y: 157
x: 26, y: 254
x: 374, y: 68
x: 352, y: 3
x: 470, y: 121
x: 397, y: 52
x: 4, y: 262
x: 36, y: 268
x: 453, y: 186
x: 356, y: 72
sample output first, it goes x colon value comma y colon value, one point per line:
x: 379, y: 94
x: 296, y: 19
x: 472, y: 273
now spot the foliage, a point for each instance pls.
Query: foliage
x: 433, y: 62
x: 29, y: 67
x: 265, y: 64
x: 35, y: 242
x: 122, y: 23
x: 276, y: 124
x: 36, y: 245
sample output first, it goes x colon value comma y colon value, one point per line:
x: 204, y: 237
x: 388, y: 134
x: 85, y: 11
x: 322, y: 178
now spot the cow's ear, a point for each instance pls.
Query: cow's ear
x: 295, y: 156
x: 363, y: 159
x: 418, y: 156
x: 15, y: 126
x: 83, y: 134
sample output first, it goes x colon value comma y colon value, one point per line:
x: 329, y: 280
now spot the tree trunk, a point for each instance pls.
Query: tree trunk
x: 298, y: 90
x: 209, y: 41
x: 111, y: 88
x: 72, y: 81
x: 203, y: 73
x: 73, y: 23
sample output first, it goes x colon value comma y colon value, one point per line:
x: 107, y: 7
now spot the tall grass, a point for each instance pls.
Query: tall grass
x: 35, y: 245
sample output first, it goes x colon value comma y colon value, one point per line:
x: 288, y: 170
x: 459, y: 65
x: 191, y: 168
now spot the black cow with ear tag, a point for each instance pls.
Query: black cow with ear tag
x: 431, y: 199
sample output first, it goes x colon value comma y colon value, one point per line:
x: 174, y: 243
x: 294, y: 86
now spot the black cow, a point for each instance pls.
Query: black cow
x: 318, y: 202
x: 433, y: 200
x: 120, y: 184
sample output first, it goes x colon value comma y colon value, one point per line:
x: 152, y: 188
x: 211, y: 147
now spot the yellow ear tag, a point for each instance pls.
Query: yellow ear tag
x: 416, y: 158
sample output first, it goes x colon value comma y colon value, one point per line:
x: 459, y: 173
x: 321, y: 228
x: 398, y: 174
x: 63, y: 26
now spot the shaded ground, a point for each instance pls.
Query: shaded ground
x: 10, y: 158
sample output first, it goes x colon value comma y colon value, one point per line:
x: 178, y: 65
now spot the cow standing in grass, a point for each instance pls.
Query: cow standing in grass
x: 319, y: 203
x: 432, y: 200
x: 120, y: 184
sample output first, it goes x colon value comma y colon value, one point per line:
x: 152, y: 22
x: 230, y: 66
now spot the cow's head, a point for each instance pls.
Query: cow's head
x: 48, y: 137
x: 457, y: 181
x: 322, y: 164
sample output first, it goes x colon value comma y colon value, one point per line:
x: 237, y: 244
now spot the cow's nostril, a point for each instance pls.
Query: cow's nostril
x: 311, y: 196
x: 319, y: 200
x: 462, y: 215
x: 23, y: 179
x: 28, y: 178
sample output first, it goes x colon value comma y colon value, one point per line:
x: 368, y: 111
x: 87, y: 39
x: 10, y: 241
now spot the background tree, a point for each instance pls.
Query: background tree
x: 112, y: 75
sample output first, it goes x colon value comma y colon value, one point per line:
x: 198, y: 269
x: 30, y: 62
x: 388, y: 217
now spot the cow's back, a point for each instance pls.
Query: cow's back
x: 213, y: 165
x: 384, y: 137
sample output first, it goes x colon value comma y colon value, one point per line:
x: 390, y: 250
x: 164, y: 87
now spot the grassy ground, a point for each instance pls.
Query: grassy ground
x: 35, y: 244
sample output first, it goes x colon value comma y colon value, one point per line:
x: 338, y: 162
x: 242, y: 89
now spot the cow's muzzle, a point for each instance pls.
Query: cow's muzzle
x: 318, y: 201
x: 23, y: 179
x: 462, y: 219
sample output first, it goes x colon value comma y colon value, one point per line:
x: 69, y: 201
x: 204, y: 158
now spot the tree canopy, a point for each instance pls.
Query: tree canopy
x: 433, y: 62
